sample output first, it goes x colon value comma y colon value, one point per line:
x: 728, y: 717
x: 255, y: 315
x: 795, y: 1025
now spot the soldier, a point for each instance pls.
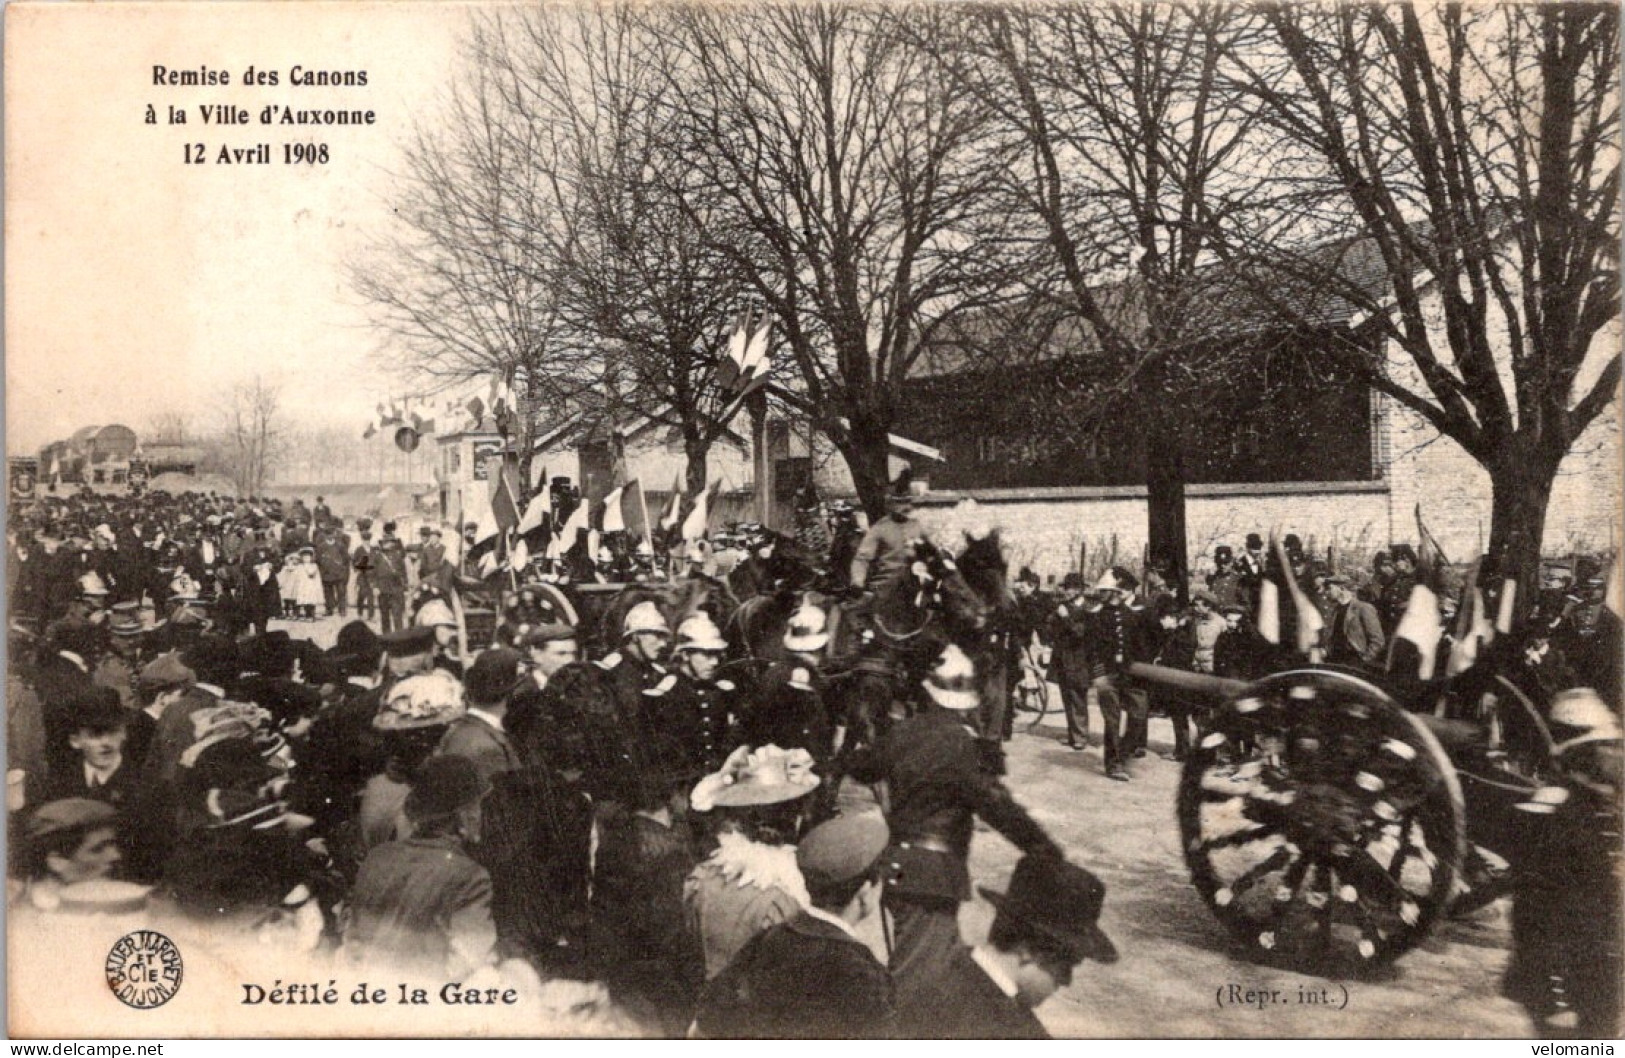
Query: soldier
x: 691, y: 706
x: 437, y: 614
x: 389, y: 577
x: 1589, y: 636
x: 333, y: 559
x: 937, y: 790
x: 1397, y: 595
x: 362, y: 560
x: 885, y: 547
x: 788, y: 710
x: 1119, y: 636
x: 1069, y: 659
x: 1225, y: 580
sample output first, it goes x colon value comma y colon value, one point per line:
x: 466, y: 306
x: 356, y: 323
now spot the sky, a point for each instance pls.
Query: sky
x: 138, y: 284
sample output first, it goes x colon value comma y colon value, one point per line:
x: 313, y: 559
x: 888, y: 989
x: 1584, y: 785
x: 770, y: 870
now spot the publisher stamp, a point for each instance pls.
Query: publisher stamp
x: 144, y: 969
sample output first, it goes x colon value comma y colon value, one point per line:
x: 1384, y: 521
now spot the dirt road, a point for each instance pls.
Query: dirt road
x: 1177, y: 961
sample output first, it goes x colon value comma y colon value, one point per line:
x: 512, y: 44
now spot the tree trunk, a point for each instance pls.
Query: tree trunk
x: 1520, y: 490
x: 761, y: 459
x: 866, y: 448
x: 1165, y: 506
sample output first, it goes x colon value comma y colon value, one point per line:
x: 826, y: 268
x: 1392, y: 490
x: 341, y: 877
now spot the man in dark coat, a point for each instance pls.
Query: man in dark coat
x: 937, y: 791
x: 1120, y: 635
x: 389, y: 577
x: 333, y: 560
x: 363, y: 558
x: 1069, y: 658
x: 1046, y: 924
x: 423, y: 903
x: 1354, y: 635
x: 811, y: 977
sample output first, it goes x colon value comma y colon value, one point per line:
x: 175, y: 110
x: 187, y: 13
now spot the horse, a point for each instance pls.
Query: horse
x: 993, y: 649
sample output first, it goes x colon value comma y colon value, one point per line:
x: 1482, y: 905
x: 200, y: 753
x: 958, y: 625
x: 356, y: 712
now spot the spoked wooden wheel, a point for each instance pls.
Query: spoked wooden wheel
x: 1321, y: 822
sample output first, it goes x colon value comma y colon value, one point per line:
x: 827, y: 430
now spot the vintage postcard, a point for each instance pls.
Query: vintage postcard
x: 823, y: 519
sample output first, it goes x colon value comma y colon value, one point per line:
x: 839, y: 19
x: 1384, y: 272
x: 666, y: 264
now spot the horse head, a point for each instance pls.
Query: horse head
x: 986, y: 570
x: 934, y: 586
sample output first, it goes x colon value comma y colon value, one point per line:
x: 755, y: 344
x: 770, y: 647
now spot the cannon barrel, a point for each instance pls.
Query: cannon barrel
x: 1202, y: 683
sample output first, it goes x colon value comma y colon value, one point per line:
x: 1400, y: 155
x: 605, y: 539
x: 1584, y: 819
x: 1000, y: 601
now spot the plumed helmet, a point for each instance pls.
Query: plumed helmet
x: 807, y: 630
x: 951, y: 683
x: 645, y: 617
x: 436, y: 614
x: 700, y: 633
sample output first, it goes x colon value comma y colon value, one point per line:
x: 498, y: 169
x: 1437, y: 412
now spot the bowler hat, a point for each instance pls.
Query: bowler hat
x: 1074, y: 582
x: 405, y: 642
x: 492, y: 676
x: 1057, y: 900
x: 444, y: 785
x: 214, y: 659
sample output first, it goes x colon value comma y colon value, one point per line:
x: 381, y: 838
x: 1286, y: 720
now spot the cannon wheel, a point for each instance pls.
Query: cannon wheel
x: 1321, y: 822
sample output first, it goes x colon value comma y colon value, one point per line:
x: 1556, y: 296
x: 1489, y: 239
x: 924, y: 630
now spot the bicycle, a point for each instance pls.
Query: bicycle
x: 1032, y: 690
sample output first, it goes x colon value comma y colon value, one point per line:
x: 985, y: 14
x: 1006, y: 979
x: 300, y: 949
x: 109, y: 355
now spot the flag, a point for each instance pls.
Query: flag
x: 1430, y: 557
x: 635, y: 511
x: 536, y: 513
x: 755, y: 364
x: 538, y: 476
x: 566, y: 538
x: 481, y: 514
x: 674, y: 505
x: 1309, y: 620
x: 1419, y: 626
x: 505, y: 497
x: 519, y: 557
x: 613, y: 520
x: 592, y: 545
x: 370, y: 432
x: 731, y: 366
x: 698, y: 520
x: 1269, y: 611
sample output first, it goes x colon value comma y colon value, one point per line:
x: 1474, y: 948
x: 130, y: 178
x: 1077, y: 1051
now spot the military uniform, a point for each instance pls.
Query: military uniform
x: 789, y: 711
x: 1118, y: 636
x: 389, y: 576
x: 937, y: 791
x: 699, y: 718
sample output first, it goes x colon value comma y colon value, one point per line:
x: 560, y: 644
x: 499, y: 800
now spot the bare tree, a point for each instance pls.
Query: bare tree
x: 1468, y: 158
x: 635, y: 276
x: 850, y: 189
x: 461, y: 281
x: 251, y: 432
x: 1128, y: 134
x: 169, y: 428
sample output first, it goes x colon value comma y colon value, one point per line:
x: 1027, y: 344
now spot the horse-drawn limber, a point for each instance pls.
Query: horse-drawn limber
x: 1330, y: 822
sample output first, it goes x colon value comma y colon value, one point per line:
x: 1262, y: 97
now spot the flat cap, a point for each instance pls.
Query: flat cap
x: 551, y: 632
x: 842, y: 849
x: 70, y: 813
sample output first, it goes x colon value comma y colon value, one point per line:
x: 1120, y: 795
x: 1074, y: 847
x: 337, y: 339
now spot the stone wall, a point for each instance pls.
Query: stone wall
x: 1046, y: 528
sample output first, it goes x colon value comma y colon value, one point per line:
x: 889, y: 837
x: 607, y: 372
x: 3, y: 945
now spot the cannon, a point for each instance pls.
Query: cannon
x: 1330, y: 828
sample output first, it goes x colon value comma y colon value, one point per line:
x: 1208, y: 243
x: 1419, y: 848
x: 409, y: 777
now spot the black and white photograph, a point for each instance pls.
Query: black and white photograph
x: 836, y: 520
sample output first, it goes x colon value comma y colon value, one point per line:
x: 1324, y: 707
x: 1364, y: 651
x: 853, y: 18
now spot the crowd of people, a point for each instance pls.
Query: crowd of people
x: 627, y: 805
